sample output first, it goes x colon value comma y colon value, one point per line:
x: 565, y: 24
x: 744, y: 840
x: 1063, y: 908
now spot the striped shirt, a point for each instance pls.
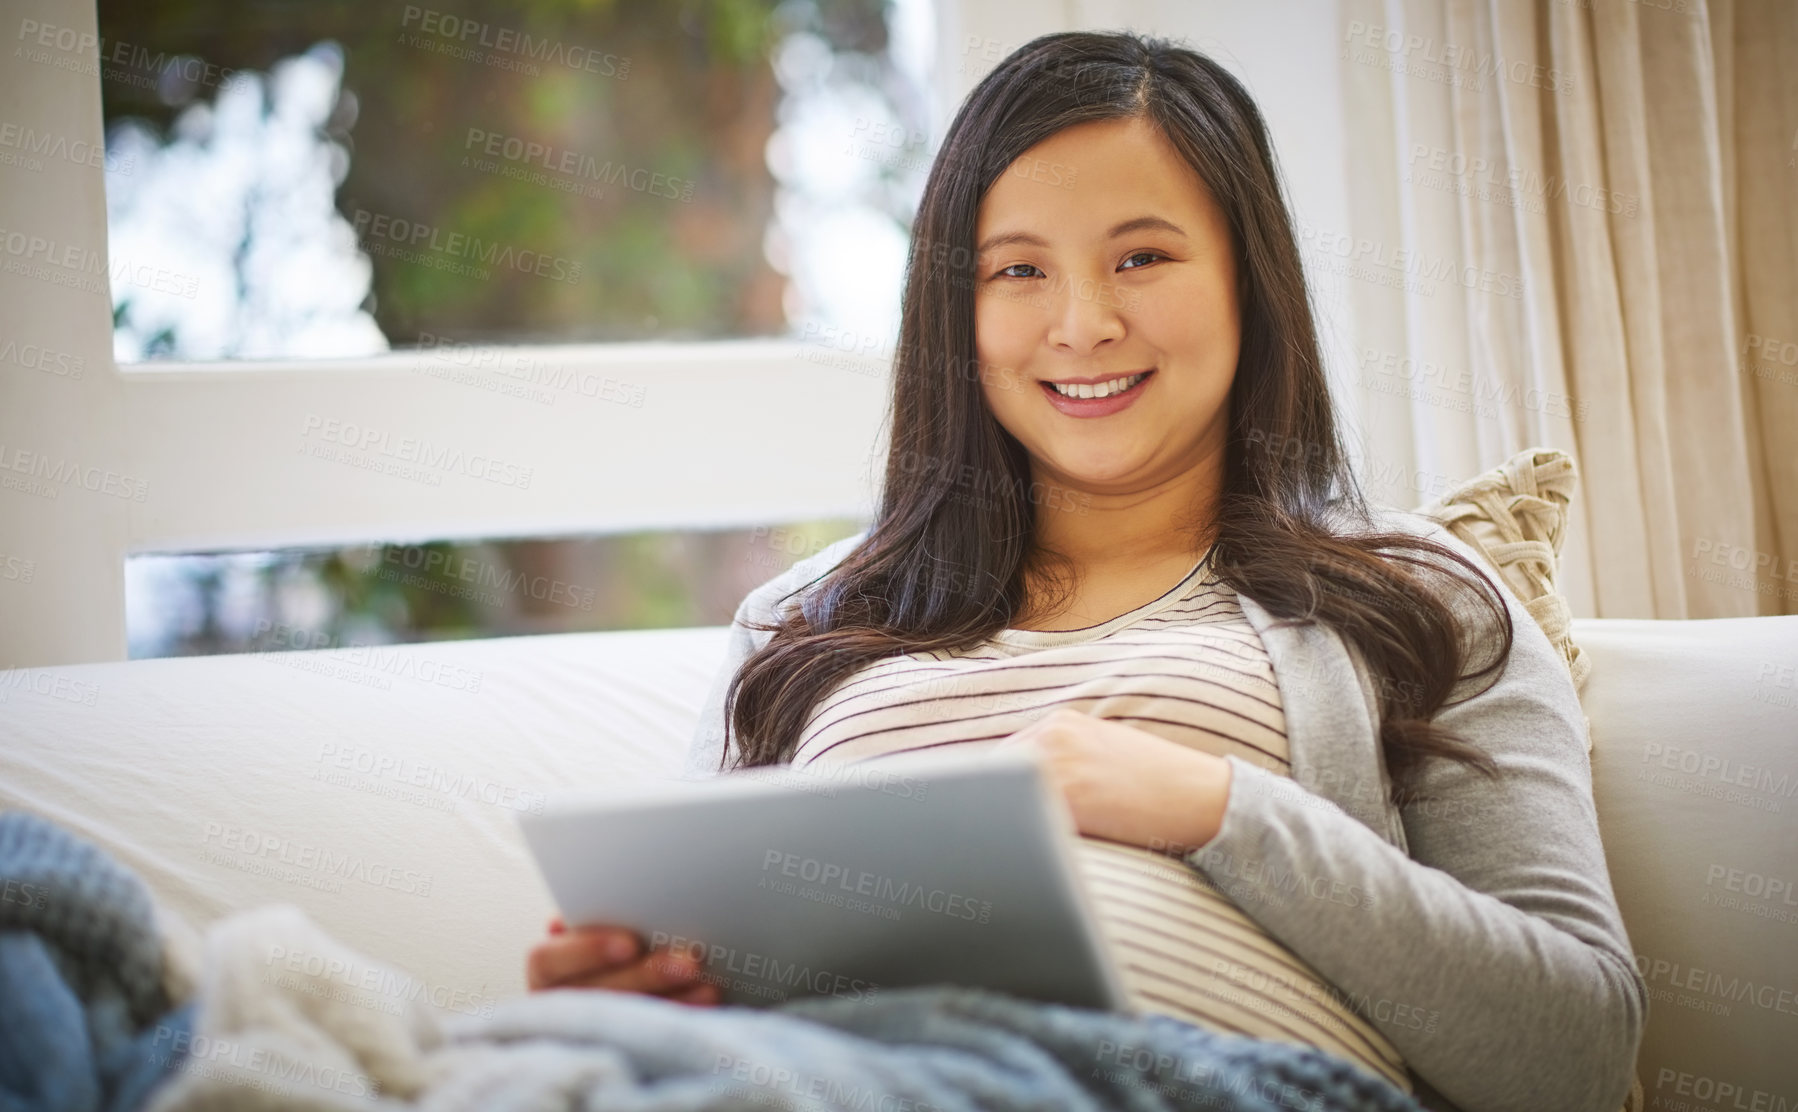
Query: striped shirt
x: 1187, y: 667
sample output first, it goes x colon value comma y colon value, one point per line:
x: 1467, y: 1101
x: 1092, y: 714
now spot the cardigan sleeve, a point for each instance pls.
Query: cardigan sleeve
x: 1493, y: 956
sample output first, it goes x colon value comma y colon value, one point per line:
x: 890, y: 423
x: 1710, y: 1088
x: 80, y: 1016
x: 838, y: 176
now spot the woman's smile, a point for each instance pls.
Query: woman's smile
x: 1096, y: 397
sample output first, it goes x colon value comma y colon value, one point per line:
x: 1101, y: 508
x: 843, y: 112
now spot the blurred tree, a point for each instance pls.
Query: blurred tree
x: 536, y: 126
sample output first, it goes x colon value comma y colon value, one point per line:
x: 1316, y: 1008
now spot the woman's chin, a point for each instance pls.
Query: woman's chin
x: 1097, y: 475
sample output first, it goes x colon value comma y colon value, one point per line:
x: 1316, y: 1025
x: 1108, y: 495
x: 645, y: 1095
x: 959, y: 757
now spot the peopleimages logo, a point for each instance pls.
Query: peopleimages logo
x: 762, y: 975
x: 44, y: 475
x: 458, y: 36
x: 285, y: 858
x: 434, y: 564
x: 345, y: 978
x: 36, y: 357
x: 404, y: 239
x: 573, y: 164
x: 520, y: 376
x: 324, y: 437
x: 377, y: 661
x: 115, y: 60
x: 1519, y: 181
x: 884, y: 893
x: 979, y: 486
x: 250, y: 1066
x: 1457, y: 61
x: 77, y: 267
x: 32, y: 142
x: 1399, y: 261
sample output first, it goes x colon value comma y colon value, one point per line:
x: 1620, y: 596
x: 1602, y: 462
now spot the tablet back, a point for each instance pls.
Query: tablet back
x: 910, y: 870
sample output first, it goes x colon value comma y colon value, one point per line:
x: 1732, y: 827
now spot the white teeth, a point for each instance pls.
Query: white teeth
x: 1102, y: 390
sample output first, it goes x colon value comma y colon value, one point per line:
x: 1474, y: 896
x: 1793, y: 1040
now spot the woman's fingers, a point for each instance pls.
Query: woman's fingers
x: 613, y: 958
x: 657, y: 974
x: 573, y: 955
x: 702, y: 995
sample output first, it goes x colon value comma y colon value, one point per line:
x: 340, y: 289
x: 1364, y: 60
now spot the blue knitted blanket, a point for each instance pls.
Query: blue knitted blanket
x: 80, y: 976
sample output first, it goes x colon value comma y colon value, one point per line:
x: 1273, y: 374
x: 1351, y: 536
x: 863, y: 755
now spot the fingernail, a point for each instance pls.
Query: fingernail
x: 621, y: 947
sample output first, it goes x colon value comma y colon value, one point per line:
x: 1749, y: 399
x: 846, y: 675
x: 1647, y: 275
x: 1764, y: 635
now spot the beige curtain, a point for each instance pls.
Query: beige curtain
x: 1575, y: 225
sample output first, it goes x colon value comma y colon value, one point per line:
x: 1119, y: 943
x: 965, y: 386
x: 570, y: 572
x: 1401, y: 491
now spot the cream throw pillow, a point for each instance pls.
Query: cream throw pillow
x: 1515, y: 516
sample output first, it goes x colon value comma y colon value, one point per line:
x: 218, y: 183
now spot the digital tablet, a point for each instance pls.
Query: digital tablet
x: 913, y: 869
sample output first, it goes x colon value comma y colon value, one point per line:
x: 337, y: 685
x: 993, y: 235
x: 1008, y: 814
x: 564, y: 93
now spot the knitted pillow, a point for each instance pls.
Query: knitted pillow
x: 1515, y: 516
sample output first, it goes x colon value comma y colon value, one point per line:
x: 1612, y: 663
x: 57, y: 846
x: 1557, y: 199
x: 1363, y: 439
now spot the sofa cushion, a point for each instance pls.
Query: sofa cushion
x: 1695, y: 774
x: 375, y: 788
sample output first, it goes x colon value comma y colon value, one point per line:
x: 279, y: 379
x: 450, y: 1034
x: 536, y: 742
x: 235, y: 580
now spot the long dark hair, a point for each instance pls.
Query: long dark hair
x: 940, y: 570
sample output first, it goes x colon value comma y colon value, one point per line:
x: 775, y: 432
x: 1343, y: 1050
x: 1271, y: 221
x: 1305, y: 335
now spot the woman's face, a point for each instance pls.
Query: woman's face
x: 1101, y: 256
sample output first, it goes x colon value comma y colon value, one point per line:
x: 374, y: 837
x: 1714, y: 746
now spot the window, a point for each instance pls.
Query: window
x: 373, y: 594
x: 475, y: 185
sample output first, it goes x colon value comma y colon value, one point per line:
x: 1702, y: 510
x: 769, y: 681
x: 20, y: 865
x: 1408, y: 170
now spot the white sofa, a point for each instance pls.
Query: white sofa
x: 377, y: 788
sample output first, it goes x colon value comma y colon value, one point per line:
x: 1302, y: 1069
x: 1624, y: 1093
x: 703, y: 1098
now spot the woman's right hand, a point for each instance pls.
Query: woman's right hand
x: 613, y: 958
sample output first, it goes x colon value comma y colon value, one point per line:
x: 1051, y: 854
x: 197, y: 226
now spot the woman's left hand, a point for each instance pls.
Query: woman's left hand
x: 1128, y: 785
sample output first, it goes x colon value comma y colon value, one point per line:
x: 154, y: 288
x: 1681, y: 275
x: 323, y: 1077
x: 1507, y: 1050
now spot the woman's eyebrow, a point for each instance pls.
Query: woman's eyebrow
x: 1144, y: 224
x: 1134, y: 224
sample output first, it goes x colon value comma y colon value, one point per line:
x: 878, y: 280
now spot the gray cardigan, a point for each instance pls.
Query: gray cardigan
x: 1475, y: 926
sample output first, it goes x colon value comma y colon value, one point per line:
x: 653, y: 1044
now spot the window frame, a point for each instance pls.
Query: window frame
x: 200, y: 457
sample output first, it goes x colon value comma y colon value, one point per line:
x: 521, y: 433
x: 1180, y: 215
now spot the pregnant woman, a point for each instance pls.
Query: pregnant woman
x: 1331, y: 781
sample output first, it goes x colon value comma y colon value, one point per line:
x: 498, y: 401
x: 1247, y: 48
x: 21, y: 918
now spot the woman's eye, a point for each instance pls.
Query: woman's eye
x: 1149, y: 255
x: 1007, y: 272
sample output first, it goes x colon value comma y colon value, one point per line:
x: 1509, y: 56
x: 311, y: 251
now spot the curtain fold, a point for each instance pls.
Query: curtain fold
x: 1573, y: 227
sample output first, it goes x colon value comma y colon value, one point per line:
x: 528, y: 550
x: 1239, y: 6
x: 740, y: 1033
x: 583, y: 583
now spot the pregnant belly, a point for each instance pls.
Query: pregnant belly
x: 1185, y: 951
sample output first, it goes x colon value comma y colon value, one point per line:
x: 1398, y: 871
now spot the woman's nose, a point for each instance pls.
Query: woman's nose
x: 1085, y: 317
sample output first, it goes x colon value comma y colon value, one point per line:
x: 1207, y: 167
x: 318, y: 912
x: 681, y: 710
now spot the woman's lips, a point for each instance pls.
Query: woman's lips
x: 1096, y: 407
